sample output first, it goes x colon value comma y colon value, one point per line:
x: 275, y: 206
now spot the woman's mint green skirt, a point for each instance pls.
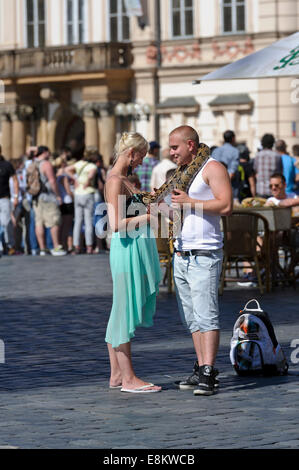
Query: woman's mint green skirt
x: 136, y: 275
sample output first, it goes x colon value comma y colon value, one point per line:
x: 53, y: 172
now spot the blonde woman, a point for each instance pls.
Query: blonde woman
x: 134, y: 265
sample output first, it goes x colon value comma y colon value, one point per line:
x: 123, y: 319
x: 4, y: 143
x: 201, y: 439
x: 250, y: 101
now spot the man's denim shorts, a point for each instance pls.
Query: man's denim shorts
x: 196, y: 281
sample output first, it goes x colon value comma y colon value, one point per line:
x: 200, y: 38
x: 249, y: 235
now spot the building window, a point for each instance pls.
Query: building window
x: 36, y: 25
x: 75, y: 18
x: 233, y: 16
x: 182, y: 18
x: 119, y: 21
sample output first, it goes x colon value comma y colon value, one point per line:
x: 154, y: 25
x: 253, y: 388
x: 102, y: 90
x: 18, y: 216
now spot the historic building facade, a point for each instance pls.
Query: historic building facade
x: 79, y: 72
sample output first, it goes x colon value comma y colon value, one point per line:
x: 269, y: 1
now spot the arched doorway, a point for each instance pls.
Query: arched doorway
x: 74, y: 136
x: 67, y: 129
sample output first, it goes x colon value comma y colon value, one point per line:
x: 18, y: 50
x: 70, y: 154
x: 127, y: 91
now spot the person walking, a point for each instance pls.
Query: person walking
x: 198, y: 256
x: 135, y: 267
x: 84, y: 171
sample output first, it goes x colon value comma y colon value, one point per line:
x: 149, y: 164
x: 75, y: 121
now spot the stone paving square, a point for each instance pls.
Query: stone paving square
x: 54, y: 383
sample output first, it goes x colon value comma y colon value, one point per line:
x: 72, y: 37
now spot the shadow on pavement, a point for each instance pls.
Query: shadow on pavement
x: 60, y: 341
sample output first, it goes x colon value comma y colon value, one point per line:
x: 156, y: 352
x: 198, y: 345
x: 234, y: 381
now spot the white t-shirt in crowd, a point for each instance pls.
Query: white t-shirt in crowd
x: 159, y: 172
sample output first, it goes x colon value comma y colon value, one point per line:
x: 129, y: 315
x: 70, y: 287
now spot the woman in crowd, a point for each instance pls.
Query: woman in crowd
x: 65, y: 187
x: 84, y: 172
x: 134, y: 265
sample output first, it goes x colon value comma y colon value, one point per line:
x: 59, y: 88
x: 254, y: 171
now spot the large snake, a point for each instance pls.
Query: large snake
x: 181, y: 179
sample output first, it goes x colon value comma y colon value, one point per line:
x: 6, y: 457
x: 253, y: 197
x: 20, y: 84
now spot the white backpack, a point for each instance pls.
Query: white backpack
x: 254, y: 347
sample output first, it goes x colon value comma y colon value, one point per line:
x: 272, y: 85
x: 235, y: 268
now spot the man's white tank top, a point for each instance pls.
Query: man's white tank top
x: 200, y: 231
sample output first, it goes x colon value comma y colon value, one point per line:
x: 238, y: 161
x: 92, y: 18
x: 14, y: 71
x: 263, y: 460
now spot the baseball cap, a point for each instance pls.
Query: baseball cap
x: 154, y: 145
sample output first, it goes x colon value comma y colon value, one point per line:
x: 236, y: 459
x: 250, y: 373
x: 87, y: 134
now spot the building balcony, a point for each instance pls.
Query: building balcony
x: 61, y: 60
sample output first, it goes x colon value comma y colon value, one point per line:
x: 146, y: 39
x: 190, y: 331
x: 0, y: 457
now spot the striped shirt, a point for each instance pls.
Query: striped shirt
x: 266, y: 163
x: 144, y: 172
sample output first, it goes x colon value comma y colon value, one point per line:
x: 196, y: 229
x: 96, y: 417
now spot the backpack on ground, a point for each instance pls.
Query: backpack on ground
x: 254, y: 347
x: 33, y: 180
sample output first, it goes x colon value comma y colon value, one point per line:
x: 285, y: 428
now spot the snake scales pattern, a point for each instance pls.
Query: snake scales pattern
x: 181, y: 179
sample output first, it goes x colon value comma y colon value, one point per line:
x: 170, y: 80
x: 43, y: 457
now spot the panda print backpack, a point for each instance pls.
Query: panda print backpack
x: 254, y: 349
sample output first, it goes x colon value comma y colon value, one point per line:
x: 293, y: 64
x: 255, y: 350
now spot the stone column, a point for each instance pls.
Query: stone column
x: 42, y: 128
x: 107, y: 126
x: 6, y: 141
x: 18, y: 133
x: 91, y: 128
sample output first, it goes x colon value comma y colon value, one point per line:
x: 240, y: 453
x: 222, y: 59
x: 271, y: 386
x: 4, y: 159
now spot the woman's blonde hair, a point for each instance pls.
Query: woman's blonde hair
x: 129, y: 140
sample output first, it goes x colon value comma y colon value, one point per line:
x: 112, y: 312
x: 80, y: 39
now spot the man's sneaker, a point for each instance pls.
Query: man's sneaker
x: 193, y: 381
x: 42, y: 253
x: 207, y: 378
x: 58, y: 251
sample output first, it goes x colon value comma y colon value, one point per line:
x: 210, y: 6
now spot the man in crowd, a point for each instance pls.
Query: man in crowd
x: 266, y: 163
x: 198, y: 256
x: 144, y: 171
x: 246, y: 174
x: 228, y: 154
x: 295, y: 153
x: 7, y: 171
x: 288, y: 165
x: 280, y: 197
x: 46, y: 205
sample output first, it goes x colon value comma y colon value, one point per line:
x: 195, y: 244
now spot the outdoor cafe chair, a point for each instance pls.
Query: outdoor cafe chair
x: 246, y: 240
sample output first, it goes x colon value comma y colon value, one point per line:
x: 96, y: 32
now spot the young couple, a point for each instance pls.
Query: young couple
x: 135, y: 263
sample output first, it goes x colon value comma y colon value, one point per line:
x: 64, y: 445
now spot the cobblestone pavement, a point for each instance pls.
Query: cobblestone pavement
x: 53, y: 384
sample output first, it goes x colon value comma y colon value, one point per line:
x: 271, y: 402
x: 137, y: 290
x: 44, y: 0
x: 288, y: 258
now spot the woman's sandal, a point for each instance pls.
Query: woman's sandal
x: 143, y: 389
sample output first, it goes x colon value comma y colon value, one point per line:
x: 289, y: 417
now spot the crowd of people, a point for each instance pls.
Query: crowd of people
x: 49, y: 205
x: 61, y: 219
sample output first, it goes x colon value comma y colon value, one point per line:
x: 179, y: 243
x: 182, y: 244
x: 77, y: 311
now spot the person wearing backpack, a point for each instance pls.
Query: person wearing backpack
x: 246, y: 174
x: 46, y: 201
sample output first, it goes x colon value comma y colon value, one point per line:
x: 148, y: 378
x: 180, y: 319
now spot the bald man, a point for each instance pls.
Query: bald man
x: 198, y: 256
